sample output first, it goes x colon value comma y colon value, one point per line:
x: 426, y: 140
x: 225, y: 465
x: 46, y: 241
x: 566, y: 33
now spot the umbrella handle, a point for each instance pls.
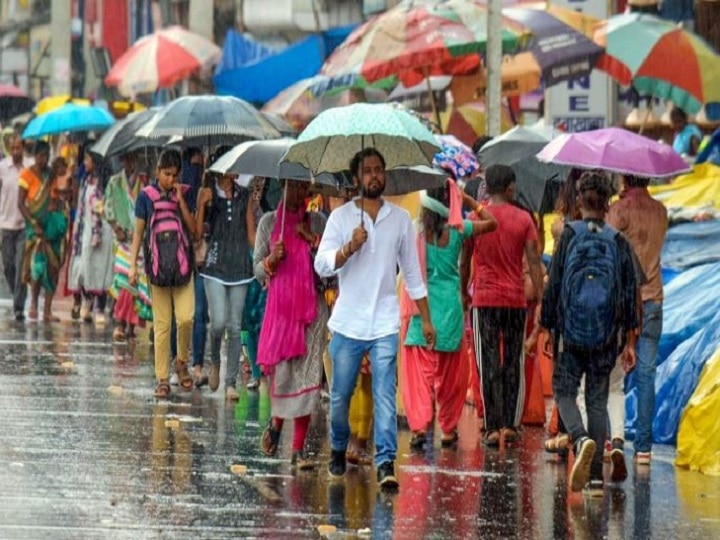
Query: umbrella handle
x: 282, y: 217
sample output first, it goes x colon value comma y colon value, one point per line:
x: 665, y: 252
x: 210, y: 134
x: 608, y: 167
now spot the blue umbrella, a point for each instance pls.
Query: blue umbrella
x: 68, y: 118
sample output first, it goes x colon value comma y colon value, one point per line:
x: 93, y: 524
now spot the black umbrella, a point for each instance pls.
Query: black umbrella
x: 517, y: 148
x: 121, y: 137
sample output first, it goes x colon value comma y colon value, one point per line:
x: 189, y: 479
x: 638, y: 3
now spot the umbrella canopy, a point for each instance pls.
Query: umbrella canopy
x: 416, y: 39
x: 209, y: 120
x: 455, y: 156
x: 561, y: 50
x: 279, y: 123
x: 517, y: 148
x: 615, y: 150
x: 330, y: 141
x: 160, y: 60
x: 51, y: 103
x: 263, y: 158
x: 13, y: 101
x: 69, y: 118
x: 304, y: 100
x: 121, y: 137
x: 467, y: 122
x: 661, y: 59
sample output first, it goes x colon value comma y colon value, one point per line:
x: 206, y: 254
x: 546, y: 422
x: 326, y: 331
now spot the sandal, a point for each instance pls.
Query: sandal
x: 491, y: 439
x: 270, y: 439
x: 184, y: 378
x: 511, y: 436
x: 558, y: 444
x: 162, y: 390
x: 75, y: 313
x: 418, y: 441
x: 119, y: 335
x: 449, y: 439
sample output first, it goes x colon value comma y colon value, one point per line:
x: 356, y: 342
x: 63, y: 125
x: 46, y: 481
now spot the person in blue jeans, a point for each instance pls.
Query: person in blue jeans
x: 363, y: 243
x: 644, y: 222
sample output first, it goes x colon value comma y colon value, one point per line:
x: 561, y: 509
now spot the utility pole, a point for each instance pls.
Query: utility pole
x: 493, y: 60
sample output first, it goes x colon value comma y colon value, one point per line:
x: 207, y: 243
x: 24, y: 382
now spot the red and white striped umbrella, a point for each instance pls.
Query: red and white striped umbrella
x: 160, y: 60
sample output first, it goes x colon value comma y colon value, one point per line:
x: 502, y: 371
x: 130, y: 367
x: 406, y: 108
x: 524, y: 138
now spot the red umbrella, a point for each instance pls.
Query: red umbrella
x: 160, y: 60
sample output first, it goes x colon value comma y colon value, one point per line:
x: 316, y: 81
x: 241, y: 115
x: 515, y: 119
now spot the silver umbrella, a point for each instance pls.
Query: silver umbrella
x: 209, y: 121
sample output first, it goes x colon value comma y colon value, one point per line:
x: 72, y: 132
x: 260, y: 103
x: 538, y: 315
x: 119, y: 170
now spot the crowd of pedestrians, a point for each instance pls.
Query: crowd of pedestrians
x: 312, y: 297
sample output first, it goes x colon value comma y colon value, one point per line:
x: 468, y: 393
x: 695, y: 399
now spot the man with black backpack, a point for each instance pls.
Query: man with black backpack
x: 590, y: 305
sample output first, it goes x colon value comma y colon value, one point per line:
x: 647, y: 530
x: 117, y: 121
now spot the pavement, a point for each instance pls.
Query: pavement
x: 86, y: 452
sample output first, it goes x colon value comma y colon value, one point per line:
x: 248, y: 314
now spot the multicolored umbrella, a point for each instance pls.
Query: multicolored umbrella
x: 455, y: 156
x: 660, y: 59
x: 467, y: 122
x: 615, y: 150
x: 330, y: 141
x: 558, y: 44
x: 304, y: 100
x: 68, y: 118
x: 160, y: 60
x: 415, y: 40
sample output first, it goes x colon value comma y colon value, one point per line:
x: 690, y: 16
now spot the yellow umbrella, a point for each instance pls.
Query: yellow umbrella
x: 51, y: 103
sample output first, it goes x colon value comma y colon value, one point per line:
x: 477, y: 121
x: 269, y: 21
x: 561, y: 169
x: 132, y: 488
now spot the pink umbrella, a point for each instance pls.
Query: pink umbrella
x: 160, y: 60
x: 615, y: 150
x: 10, y: 90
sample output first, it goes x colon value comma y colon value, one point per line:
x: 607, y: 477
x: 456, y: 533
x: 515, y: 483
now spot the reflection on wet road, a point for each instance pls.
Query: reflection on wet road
x: 86, y: 452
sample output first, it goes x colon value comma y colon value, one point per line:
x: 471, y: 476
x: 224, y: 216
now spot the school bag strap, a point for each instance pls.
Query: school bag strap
x: 580, y: 227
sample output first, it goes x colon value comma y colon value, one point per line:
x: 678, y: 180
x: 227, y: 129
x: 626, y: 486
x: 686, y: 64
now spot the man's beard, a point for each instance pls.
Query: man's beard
x: 372, y: 193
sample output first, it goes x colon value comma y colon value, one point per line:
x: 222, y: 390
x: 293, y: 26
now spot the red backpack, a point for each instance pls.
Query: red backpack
x: 167, y: 248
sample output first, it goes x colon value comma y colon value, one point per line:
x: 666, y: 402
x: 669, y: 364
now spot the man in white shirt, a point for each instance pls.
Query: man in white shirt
x: 12, y: 224
x: 364, y: 242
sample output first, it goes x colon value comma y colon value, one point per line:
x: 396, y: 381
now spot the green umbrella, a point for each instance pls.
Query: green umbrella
x: 336, y: 135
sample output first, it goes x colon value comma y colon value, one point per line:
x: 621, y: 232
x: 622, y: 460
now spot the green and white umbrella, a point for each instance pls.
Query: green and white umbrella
x: 331, y: 140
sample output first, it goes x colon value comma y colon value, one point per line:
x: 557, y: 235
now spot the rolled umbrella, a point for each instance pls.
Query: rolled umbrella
x: 121, y: 137
x: 160, y: 60
x: 209, y: 121
x: 614, y: 150
x: 661, y: 59
x: 68, y: 118
x: 517, y: 148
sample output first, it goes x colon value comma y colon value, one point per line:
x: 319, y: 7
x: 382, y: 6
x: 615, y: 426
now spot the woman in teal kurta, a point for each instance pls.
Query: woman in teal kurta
x: 440, y: 375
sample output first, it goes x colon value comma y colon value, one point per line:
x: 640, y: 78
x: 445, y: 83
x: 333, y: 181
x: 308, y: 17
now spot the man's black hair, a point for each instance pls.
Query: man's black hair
x: 357, y: 160
x: 498, y: 178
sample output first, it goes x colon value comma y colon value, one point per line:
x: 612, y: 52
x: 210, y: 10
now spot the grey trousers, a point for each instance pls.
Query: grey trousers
x: 13, y: 251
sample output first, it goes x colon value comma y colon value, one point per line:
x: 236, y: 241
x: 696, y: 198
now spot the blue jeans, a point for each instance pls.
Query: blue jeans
x: 199, y: 333
x: 647, y: 351
x: 347, y: 355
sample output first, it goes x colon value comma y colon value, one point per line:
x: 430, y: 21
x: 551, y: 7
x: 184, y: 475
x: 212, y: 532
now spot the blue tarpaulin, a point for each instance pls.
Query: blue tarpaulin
x: 259, y: 80
x: 691, y: 244
x: 678, y: 377
x: 239, y: 50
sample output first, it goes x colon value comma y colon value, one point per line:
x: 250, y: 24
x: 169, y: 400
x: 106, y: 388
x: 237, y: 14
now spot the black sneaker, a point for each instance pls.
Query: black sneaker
x: 386, y: 475
x: 617, y: 458
x: 337, y: 464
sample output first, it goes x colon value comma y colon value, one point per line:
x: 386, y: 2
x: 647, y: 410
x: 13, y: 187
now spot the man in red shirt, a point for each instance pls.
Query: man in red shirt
x: 499, y: 305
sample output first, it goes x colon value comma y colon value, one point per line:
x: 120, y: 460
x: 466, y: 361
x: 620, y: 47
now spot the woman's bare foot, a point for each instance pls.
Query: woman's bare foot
x: 33, y: 313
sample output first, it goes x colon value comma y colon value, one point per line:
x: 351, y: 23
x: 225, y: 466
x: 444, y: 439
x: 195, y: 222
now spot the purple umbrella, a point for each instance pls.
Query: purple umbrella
x: 614, y: 150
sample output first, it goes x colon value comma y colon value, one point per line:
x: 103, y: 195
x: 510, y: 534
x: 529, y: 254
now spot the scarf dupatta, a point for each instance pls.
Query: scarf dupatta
x: 96, y: 216
x: 292, y: 298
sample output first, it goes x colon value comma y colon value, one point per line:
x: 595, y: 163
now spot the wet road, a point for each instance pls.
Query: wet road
x: 86, y: 452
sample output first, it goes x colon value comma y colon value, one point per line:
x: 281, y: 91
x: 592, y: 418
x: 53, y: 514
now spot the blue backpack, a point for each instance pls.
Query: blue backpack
x: 590, y: 287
